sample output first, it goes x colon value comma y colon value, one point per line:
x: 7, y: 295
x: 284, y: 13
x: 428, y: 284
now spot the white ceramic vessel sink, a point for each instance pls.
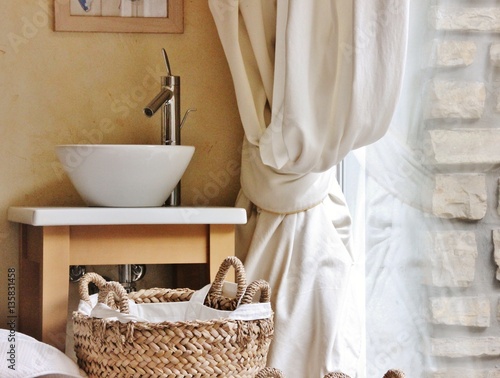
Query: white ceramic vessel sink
x: 120, y: 175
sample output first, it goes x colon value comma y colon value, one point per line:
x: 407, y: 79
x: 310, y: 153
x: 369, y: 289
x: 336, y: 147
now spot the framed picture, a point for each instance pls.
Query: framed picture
x: 119, y: 16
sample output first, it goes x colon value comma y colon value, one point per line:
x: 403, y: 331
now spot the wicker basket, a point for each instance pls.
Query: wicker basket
x: 215, y: 348
x: 270, y: 373
x: 276, y: 373
x: 390, y: 374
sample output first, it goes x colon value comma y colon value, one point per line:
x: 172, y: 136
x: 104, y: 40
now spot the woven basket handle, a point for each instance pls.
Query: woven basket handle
x: 253, y: 288
x: 88, y: 278
x: 109, y: 292
x: 270, y: 373
x: 114, y: 295
x: 394, y: 373
x: 241, y: 278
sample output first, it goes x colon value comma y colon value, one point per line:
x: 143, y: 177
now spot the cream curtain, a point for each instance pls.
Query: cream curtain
x: 313, y: 80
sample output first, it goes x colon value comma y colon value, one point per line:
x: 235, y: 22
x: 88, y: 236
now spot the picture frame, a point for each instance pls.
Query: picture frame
x: 66, y: 21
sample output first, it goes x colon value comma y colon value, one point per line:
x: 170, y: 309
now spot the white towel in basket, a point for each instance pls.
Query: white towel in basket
x: 191, y: 310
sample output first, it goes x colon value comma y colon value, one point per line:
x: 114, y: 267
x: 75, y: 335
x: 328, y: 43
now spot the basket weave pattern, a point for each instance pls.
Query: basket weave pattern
x: 276, y: 373
x: 216, y: 348
x: 270, y: 373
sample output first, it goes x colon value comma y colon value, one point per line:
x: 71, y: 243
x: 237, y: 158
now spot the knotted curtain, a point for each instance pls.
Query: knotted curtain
x: 313, y: 81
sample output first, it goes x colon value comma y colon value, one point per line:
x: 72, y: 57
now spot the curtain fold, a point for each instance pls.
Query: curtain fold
x: 313, y: 80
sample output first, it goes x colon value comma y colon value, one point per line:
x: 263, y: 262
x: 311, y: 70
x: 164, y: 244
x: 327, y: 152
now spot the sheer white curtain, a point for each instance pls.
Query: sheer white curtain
x: 400, y: 186
x: 313, y: 81
x: 396, y: 183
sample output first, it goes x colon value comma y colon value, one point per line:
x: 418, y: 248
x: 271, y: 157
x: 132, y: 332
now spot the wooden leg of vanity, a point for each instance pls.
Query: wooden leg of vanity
x: 29, y: 282
x: 221, y: 245
x: 55, y: 285
x: 44, y: 284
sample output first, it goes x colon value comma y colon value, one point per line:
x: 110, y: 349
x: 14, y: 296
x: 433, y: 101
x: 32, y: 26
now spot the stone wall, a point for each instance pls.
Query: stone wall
x: 462, y: 147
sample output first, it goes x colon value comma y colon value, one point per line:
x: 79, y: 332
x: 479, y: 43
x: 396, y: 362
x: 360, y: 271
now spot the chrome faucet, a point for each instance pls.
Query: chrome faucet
x: 169, y: 100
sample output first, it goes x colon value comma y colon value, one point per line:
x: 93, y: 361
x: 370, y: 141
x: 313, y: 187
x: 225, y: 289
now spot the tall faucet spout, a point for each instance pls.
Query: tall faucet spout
x: 156, y: 103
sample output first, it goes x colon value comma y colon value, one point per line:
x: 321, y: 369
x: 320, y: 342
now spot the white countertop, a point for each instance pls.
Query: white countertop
x: 73, y: 216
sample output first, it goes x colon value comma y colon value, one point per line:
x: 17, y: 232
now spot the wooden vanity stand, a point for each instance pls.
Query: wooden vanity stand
x: 52, y: 239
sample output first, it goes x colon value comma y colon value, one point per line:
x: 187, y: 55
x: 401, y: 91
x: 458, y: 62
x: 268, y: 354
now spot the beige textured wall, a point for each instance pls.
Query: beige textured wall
x: 60, y: 88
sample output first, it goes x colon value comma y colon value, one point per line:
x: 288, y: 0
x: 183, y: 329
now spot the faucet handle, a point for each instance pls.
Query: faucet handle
x: 186, y: 114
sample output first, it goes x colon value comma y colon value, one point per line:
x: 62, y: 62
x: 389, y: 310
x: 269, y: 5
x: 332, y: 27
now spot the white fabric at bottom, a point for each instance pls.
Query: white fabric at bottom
x: 25, y: 357
x: 317, y: 286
